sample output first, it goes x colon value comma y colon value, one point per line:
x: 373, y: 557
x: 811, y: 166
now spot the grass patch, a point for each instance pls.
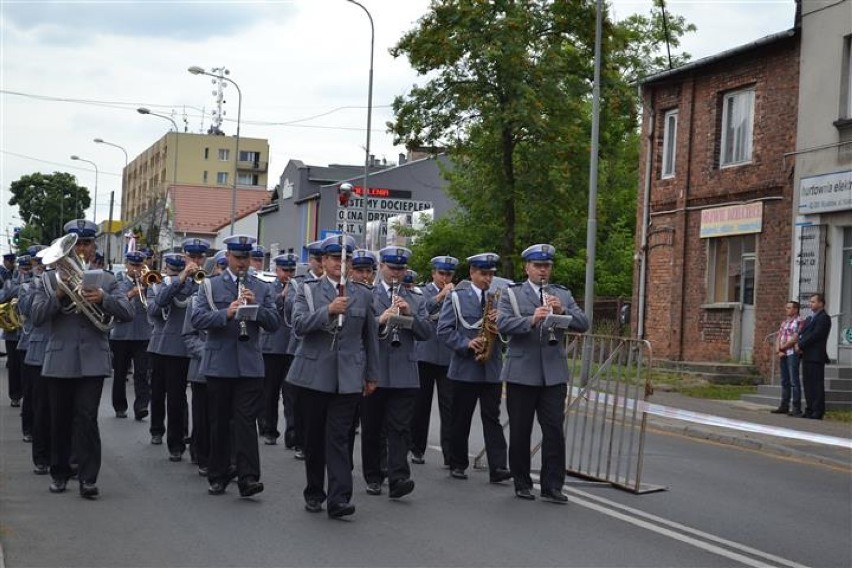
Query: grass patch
x: 839, y: 416
x: 717, y: 392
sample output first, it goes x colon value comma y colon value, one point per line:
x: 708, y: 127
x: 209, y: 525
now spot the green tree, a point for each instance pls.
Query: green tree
x: 45, y: 203
x: 509, y: 96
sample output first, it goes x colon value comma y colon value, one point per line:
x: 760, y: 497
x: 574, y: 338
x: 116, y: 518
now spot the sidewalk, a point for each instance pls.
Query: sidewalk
x: 759, y: 414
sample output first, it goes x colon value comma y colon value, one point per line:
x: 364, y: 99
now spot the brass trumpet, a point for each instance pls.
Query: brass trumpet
x: 198, y: 276
x: 150, y: 277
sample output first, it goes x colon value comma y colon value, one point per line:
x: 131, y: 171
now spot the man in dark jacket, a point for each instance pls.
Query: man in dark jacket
x: 812, y: 346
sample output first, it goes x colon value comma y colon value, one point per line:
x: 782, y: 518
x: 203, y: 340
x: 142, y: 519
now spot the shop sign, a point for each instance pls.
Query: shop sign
x: 828, y: 192
x: 732, y: 220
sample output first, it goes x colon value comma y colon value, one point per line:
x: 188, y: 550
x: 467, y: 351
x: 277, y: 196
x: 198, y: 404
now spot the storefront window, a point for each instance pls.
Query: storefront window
x: 731, y: 269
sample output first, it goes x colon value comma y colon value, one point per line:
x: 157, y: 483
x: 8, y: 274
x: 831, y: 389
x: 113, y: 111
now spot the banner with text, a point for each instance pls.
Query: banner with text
x: 351, y: 218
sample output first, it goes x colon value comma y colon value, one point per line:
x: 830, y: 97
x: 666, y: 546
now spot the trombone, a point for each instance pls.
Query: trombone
x: 150, y: 277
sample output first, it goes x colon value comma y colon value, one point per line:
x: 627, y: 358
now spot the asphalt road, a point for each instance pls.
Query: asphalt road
x: 725, y: 507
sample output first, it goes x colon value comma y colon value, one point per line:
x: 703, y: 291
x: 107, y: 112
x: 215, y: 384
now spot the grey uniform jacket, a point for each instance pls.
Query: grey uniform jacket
x: 24, y: 290
x: 224, y: 355
x: 434, y: 350
x: 278, y: 341
x: 398, y: 365
x: 193, y: 340
x: 169, y: 307
x: 38, y: 335
x: 139, y: 329
x: 8, y: 292
x: 292, y: 291
x: 332, y: 362
x: 76, y: 348
x: 456, y: 335
x: 529, y: 359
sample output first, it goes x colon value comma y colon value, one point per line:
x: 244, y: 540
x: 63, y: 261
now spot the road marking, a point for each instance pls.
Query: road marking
x: 631, y: 515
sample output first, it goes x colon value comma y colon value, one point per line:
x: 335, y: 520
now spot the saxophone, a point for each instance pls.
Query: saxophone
x: 488, y: 329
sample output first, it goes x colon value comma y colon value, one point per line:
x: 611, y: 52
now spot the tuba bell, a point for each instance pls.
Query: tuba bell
x: 61, y: 255
x: 10, y: 319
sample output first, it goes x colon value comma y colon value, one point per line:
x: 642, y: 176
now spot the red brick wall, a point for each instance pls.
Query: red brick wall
x: 675, y: 323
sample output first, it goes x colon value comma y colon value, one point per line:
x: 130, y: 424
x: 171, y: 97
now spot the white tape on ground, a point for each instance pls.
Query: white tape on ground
x: 719, y: 421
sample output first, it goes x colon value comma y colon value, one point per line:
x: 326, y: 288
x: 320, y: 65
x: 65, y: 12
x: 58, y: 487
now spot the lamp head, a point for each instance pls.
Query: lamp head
x: 143, y: 110
x: 75, y: 157
x: 196, y: 70
x: 344, y: 192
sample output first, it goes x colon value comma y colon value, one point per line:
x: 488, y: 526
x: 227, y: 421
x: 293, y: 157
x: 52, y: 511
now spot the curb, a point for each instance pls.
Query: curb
x: 721, y: 437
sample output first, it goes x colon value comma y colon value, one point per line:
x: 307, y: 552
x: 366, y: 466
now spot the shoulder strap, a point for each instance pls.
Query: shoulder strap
x: 309, y: 297
x: 459, y: 318
x: 514, y: 301
x: 208, y: 291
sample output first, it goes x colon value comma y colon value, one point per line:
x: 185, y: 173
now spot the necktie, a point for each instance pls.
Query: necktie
x: 541, y: 295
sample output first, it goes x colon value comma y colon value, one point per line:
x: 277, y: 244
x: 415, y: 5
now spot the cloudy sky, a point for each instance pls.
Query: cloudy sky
x: 72, y: 71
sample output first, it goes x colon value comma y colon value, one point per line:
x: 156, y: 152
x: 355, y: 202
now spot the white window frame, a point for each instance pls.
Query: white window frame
x: 669, y: 144
x: 224, y: 154
x: 741, y: 153
x: 847, y: 63
x: 250, y: 177
x: 220, y: 176
x: 250, y: 156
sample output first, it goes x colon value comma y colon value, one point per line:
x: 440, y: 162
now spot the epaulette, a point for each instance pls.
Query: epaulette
x: 364, y: 284
x: 514, y: 284
x: 313, y: 281
x: 561, y: 287
x: 463, y: 285
x: 416, y: 291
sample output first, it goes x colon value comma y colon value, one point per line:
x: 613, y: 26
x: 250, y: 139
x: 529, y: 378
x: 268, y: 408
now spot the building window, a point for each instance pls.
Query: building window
x: 247, y: 179
x: 669, y: 143
x: 205, y: 177
x: 224, y: 154
x: 207, y: 153
x: 247, y: 156
x: 730, y: 274
x: 222, y: 178
x: 737, y: 122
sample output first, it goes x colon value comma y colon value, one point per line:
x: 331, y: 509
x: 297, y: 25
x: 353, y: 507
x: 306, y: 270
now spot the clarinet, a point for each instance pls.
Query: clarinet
x: 551, y: 335
x: 241, y: 278
x: 395, y: 341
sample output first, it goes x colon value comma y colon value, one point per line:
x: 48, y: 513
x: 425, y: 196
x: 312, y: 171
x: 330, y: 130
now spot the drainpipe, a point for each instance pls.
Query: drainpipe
x: 646, y: 215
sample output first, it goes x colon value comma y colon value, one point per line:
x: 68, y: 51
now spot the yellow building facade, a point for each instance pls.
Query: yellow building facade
x: 183, y: 158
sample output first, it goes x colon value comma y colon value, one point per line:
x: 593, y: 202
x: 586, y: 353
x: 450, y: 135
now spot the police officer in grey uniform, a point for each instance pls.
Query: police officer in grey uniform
x: 276, y: 361
x: 258, y: 253
x: 194, y: 340
x: 129, y: 342
x: 336, y: 360
x: 24, y: 278
x: 8, y: 292
x: 460, y: 326
x: 433, y: 360
x: 233, y: 365
x: 39, y: 406
x: 76, y: 361
x: 169, y: 359
x: 536, y: 371
x: 391, y: 408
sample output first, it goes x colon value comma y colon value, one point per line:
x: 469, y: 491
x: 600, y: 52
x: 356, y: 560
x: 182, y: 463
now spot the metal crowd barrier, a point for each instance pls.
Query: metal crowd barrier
x: 603, y: 424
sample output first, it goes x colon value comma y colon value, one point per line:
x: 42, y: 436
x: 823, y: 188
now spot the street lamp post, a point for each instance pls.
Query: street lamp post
x: 143, y: 110
x: 196, y: 70
x: 123, y: 189
x: 366, y: 192
x: 95, y: 206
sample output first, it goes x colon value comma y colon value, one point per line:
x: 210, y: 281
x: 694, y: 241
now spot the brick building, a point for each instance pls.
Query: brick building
x: 715, y: 226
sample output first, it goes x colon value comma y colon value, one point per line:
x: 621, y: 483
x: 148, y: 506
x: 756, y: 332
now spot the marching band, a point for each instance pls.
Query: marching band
x: 352, y: 343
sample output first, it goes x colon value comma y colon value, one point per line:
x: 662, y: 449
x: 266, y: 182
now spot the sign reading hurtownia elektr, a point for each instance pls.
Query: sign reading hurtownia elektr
x: 351, y: 219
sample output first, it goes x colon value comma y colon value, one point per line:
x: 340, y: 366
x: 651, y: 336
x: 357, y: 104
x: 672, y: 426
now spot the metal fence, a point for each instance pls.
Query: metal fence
x: 604, y: 422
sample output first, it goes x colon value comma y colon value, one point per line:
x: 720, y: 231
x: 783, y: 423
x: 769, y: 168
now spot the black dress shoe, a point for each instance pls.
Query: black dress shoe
x: 28, y: 438
x: 140, y: 415
x: 805, y: 415
x: 374, y: 489
x: 121, y: 414
x: 58, y: 485
x: 217, y: 488
x: 524, y: 494
x: 796, y: 412
x: 175, y: 456
x: 41, y: 469
x: 16, y: 402
x: 401, y: 488
x: 300, y: 454
x: 554, y: 497
x: 157, y: 439
x: 340, y: 510
x: 313, y: 506
x: 780, y: 410
x: 417, y: 458
x: 458, y: 473
x: 88, y: 490
x: 250, y: 488
x: 202, y: 471
x: 499, y: 475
